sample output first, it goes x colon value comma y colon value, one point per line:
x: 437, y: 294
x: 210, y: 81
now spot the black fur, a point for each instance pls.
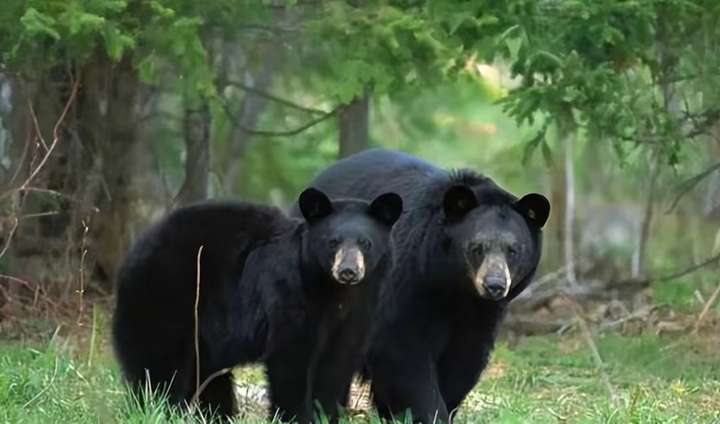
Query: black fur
x: 266, y: 294
x: 435, y: 330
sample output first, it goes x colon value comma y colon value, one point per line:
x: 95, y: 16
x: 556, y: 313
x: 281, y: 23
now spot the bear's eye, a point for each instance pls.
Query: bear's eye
x: 478, y: 249
x: 512, y: 252
x: 333, y: 243
x: 364, y: 243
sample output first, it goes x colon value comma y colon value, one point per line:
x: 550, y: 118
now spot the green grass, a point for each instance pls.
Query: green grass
x: 541, y: 380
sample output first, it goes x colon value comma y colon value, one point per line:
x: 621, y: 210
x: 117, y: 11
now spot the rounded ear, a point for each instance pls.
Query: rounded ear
x: 387, y: 208
x: 458, y: 201
x: 535, y: 207
x: 314, y: 204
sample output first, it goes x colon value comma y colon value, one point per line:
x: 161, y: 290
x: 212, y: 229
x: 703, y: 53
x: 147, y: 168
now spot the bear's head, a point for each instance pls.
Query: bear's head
x: 494, y: 239
x: 347, y: 239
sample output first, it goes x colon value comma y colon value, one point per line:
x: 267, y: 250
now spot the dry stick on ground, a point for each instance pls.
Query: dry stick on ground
x: 207, y: 381
x: 46, y: 388
x: 706, y: 308
x: 641, y: 313
x: 593, y: 348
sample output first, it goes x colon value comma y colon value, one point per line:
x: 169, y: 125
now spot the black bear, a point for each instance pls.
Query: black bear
x: 464, y: 248
x: 297, y: 295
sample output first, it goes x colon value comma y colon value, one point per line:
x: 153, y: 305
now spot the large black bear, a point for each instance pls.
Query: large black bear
x: 464, y: 248
x: 296, y: 294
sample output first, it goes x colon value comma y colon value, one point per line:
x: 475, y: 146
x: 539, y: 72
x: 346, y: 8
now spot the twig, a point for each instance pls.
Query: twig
x: 56, y: 135
x: 197, y: 339
x: 81, y: 291
x: 599, y: 364
x: 686, y: 186
x: 667, y: 277
x: 10, y: 235
x: 635, y: 315
x: 706, y: 308
x: 688, y: 270
x: 48, y: 152
x: 38, y: 215
x: 276, y: 99
x: 201, y: 387
x: 25, y: 283
x: 288, y: 133
x: 44, y: 389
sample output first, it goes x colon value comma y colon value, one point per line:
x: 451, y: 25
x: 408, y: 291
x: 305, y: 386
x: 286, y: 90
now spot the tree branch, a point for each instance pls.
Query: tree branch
x: 274, y: 98
x: 689, y: 184
x: 673, y: 275
x: 288, y: 133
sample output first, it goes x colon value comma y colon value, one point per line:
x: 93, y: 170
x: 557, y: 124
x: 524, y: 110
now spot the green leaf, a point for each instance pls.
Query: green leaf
x: 37, y: 23
x: 533, y: 144
x: 116, y: 42
x: 547, y: 154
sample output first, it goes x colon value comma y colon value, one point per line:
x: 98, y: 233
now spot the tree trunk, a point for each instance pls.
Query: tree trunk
x: 117, y: 149
x: 354, y: 122
x: 249, y: 113
x: 646, y: 226
x: 196, y: 130
x: 567, y: 135
x: 556, y: 225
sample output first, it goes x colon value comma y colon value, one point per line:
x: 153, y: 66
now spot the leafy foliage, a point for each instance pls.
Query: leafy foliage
x: 615, y: 68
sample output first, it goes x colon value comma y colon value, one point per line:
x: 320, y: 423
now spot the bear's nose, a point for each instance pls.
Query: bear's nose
x: 347, y: 275
x: 495, y: 287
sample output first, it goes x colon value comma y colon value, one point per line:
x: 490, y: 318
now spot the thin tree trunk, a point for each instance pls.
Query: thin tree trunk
x: 354, y: 122
x: 196, y: 130
x: 567, y: 135
x: 641, y: 267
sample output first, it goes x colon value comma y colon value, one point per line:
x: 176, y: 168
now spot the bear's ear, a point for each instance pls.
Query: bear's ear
x: 387, y: 208
x: 535, y: 207
x: 314, y: 204
x: 458, y: 201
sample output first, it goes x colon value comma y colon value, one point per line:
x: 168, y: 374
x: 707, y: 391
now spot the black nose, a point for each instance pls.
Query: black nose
x: 348, y: 275
x: 495, y: 287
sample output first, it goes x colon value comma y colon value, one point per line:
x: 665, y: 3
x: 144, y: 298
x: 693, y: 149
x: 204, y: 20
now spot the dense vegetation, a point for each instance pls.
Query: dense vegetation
x: 112, y: 112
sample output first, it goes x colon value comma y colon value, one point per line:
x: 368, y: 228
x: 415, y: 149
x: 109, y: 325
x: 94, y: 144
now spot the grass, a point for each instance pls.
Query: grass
x: 540, y: 380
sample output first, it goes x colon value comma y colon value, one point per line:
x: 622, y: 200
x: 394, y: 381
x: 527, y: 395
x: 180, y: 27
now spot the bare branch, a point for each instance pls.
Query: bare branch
x: 599, y: 364
x: 667, y: 277
x: 56, y: 135
x: 689, y: 184
x: 288, y: 133
x: 274, y: 98
x: 706, y: 308
x: 205, y: 383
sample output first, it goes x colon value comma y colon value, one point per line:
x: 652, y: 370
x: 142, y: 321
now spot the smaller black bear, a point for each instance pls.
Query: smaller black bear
x: 298, y: 295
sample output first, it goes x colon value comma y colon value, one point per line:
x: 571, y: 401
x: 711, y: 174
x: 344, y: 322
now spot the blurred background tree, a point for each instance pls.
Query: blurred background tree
x: 609, y: 107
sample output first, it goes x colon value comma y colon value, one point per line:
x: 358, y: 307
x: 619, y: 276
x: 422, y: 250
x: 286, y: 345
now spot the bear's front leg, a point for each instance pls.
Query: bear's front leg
x: 407, y: 382
x: 459, y: 367
x: 289, y: 371
x: 341, y: 357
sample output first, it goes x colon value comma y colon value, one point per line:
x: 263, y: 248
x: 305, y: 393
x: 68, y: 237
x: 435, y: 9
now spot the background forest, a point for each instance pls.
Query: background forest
x: 113, y: 112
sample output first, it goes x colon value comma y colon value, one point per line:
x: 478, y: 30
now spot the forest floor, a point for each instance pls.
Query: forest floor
x: 611, y: 378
